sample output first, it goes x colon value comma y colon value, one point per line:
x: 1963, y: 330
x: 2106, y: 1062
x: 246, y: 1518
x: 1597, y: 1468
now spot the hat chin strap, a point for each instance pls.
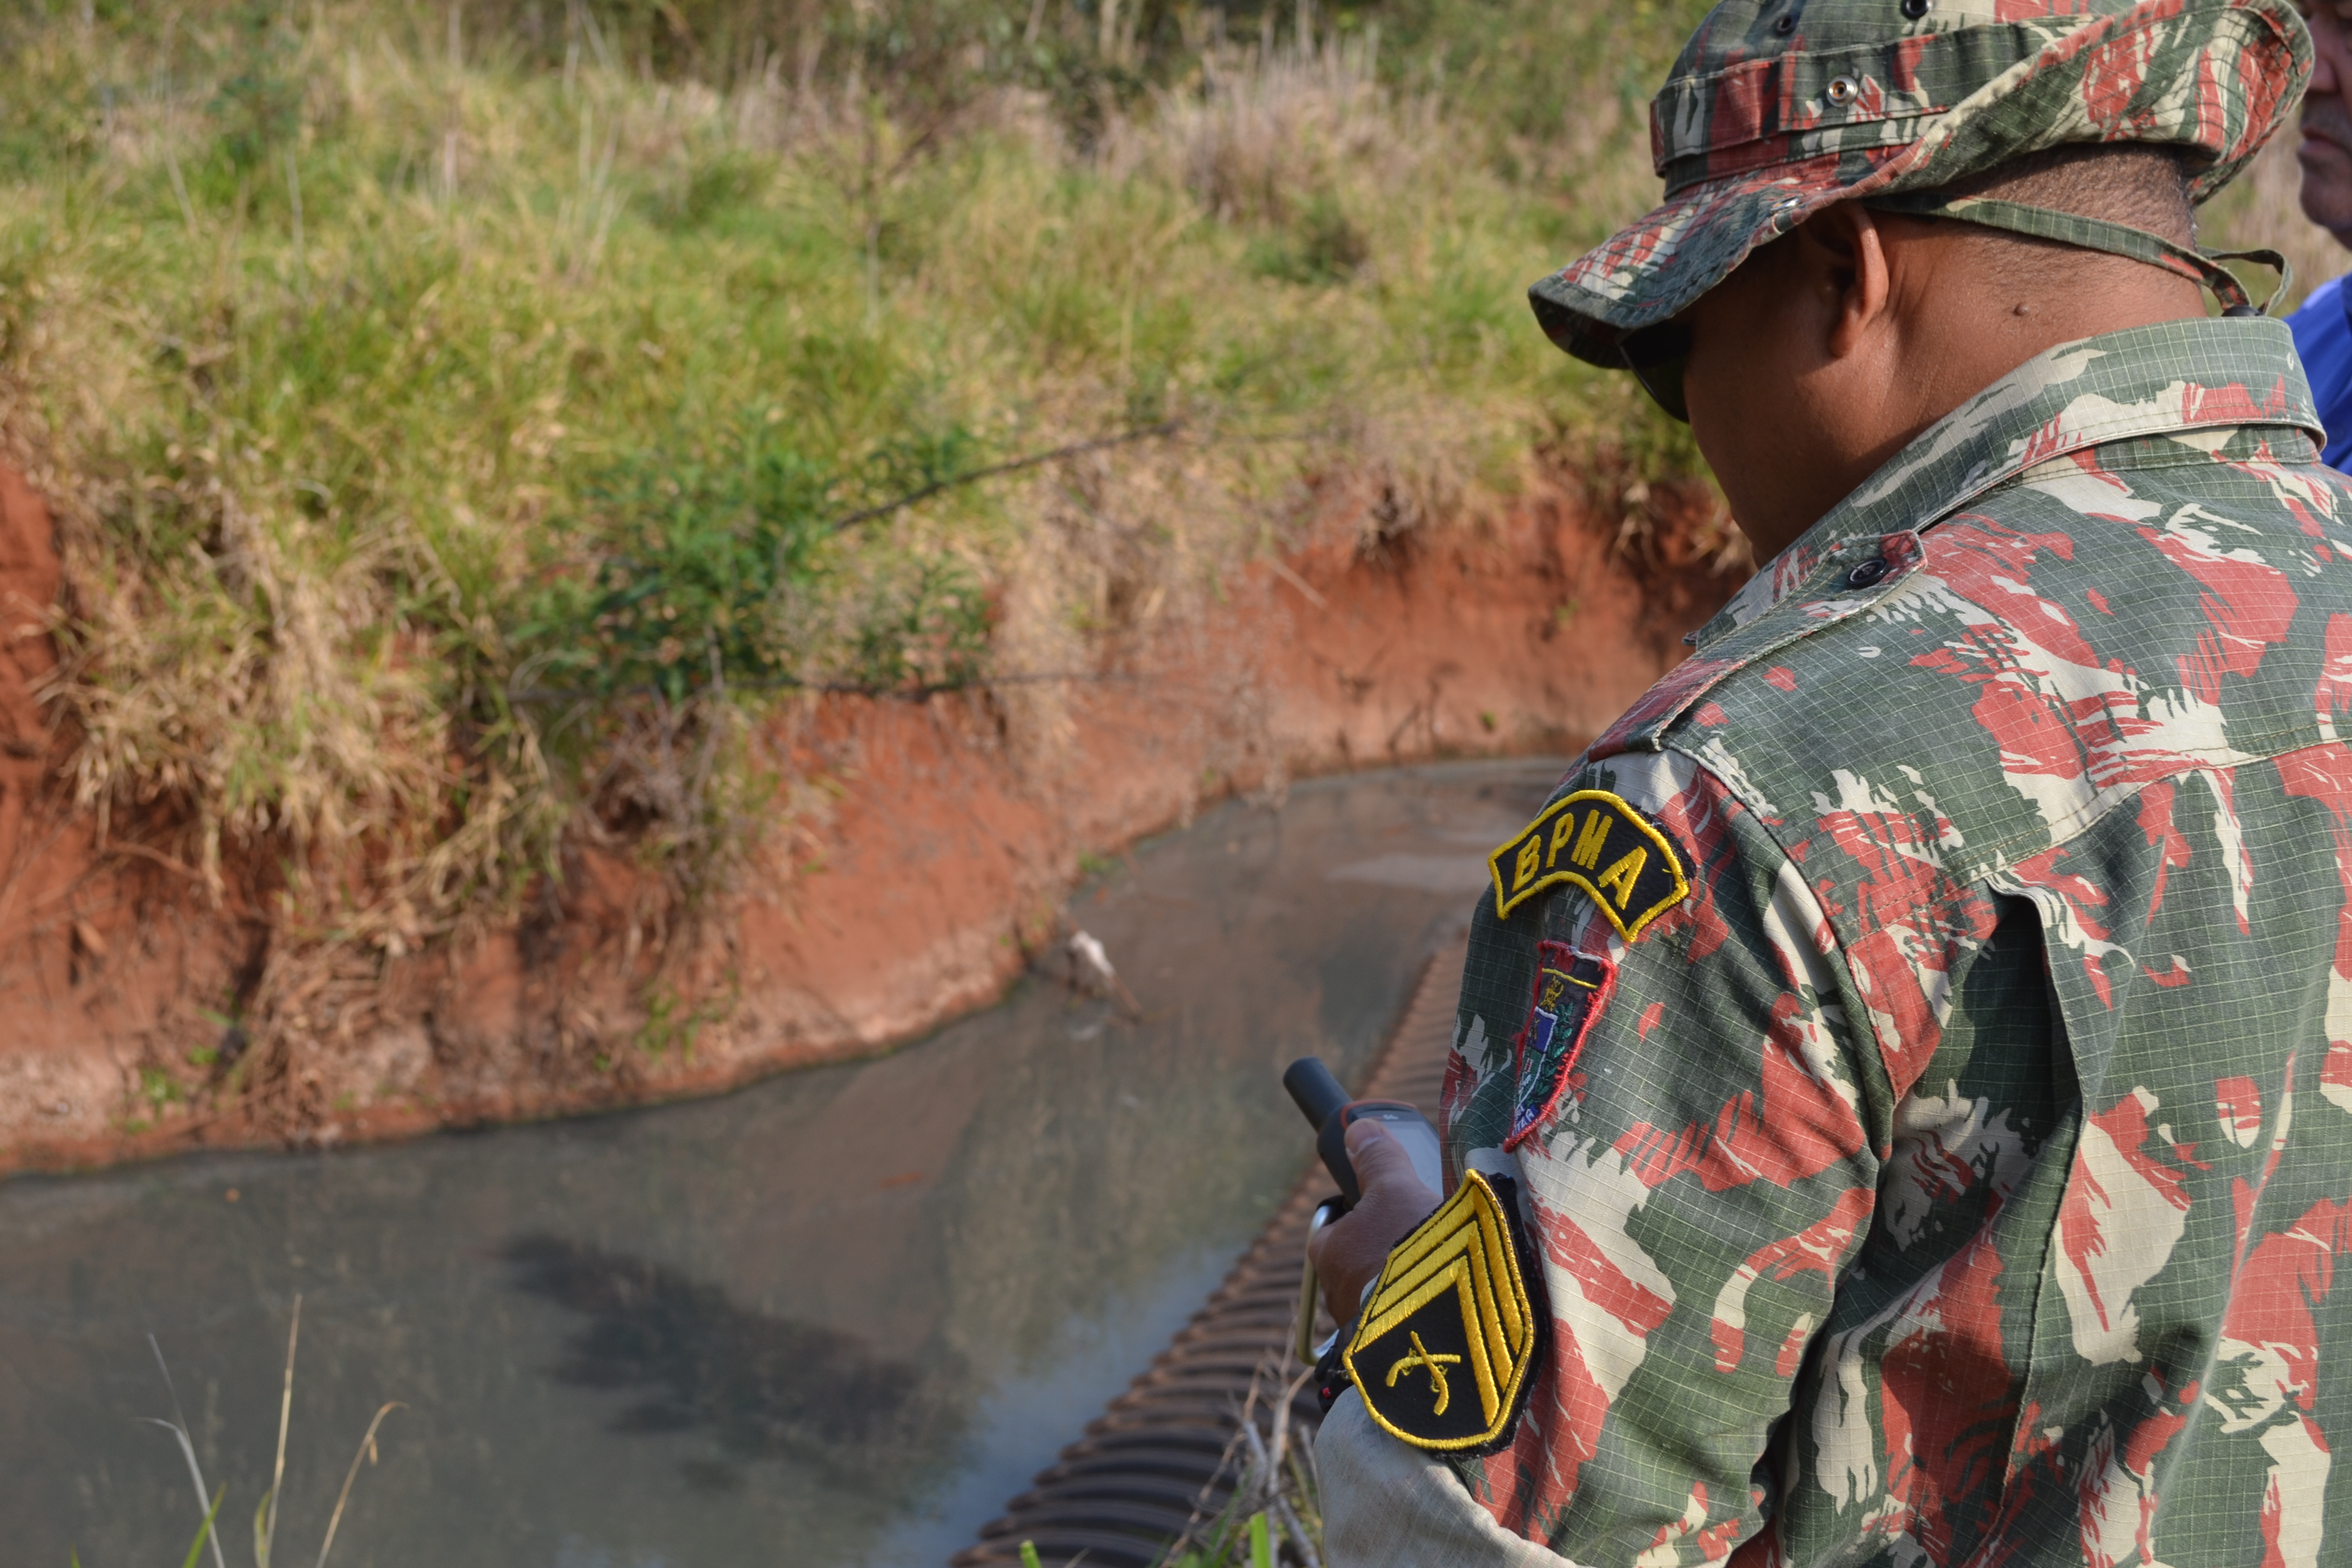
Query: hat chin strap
x: 2198, y: 265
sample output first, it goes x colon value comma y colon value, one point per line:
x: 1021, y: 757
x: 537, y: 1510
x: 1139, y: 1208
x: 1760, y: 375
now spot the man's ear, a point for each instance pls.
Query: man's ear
x: 1845, y: 270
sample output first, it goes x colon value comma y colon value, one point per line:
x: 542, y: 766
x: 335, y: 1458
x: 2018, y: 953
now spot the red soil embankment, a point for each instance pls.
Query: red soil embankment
x: 929, y: 848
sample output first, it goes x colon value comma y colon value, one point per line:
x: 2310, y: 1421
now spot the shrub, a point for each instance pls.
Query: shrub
x: 466, y: 424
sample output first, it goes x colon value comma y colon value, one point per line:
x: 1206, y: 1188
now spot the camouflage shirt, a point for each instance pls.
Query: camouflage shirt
x: 1955, y: 1173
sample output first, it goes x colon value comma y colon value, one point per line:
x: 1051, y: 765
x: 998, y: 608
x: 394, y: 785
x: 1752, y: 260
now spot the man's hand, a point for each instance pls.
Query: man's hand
x: 1347, y: 1253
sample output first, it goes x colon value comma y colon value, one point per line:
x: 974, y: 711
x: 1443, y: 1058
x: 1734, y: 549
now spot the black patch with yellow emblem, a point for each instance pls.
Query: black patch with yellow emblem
x: 1448, y: 1344
x: 1593, y: 840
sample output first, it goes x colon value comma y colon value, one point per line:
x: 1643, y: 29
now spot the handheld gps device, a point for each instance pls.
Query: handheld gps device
x: 1330, y: 1112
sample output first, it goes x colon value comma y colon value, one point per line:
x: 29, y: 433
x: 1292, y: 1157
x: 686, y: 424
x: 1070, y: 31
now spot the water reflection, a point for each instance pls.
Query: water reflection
x: 834, y: 1319
x: 766, y: 1387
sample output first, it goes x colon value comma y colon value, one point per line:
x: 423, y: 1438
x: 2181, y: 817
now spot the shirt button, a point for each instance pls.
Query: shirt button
x: 1866, y: 573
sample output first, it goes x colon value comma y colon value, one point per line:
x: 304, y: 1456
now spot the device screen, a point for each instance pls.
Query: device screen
x: 1420, y: 1138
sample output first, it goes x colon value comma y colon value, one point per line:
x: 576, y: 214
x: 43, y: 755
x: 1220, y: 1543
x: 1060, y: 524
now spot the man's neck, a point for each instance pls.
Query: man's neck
x: 1952, y: 350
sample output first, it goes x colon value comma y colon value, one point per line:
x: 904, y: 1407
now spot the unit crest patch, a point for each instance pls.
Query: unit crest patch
x: 1569, y: 991
x: 1449, y: 1340
x: 1593, y: 840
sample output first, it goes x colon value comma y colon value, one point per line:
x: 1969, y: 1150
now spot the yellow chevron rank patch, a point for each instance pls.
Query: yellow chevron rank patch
x: 1447, y: 1344
x: 1592, y: 840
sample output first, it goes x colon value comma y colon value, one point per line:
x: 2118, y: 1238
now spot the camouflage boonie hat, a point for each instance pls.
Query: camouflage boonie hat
x: 1777, y: 109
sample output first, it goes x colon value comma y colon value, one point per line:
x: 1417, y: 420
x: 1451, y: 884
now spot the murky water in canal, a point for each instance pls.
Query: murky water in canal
x: 834, y: 1320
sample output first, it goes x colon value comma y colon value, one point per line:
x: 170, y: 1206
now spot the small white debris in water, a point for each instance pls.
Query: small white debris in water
x: 1090, y: 972
x: 1093, y: 963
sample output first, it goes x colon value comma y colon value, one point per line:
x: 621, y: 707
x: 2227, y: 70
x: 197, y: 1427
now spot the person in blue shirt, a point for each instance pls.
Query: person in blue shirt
x: 2323, y: 327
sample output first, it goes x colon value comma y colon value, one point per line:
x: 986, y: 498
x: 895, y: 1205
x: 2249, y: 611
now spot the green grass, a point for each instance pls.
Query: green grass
x: 265, y: 1512
x: 1273, y: 1511
x: 467, y: 423
x: 464, y: 430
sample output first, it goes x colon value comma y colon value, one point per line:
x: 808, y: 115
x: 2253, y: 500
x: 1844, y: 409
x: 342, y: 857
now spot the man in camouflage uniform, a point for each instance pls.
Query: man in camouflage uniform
x: 1913, y: 1053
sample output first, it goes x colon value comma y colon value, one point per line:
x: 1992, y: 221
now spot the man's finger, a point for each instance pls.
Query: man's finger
x: 1380, y: 1157
x: 1350, y: 1251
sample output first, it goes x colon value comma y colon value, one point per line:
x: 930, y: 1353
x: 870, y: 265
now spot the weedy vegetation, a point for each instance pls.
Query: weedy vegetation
x: 1273, y: 1510
x: 472, y: 425
x: 1262, y: 1505
x: 265, y: 1513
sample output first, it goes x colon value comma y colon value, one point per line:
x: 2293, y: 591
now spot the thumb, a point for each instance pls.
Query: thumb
x: 1379, y: 1157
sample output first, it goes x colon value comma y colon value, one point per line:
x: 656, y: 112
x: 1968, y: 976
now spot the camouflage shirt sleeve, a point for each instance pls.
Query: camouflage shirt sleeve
x: 1695, y: 1181
x: 1696, y: 1187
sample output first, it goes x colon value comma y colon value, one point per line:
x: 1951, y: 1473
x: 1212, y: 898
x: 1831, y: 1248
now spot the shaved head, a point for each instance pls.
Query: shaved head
x: 2146, y: 187
x: 1830, y: 348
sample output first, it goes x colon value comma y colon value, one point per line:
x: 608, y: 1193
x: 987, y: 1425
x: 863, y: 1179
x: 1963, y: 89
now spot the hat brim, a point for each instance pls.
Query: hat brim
x: 1651, y: 271
x: 2251, y: 61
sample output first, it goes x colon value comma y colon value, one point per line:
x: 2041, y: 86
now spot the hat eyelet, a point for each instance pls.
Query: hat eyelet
x: 1841, y: 91
x: 1786, y: 23
x: 1915, y: 9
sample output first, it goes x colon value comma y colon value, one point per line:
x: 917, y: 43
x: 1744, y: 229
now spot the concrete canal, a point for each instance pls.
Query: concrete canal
x: 834, y: 1320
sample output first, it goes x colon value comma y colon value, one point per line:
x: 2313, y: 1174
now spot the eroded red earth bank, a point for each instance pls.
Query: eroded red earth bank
x: 920, y: 867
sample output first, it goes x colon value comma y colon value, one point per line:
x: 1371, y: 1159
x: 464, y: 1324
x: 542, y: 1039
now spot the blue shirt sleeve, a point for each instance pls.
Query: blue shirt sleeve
x: 2323, y: 337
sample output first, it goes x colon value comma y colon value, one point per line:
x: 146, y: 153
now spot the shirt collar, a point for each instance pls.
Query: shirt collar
x: 2197, y: 373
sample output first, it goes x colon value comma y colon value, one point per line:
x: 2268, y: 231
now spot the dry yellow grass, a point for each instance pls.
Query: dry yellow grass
x: 449, y: 434
x: 449, y: 446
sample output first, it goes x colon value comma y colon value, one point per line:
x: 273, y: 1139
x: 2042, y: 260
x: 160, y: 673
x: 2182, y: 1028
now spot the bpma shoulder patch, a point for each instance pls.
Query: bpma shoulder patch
x: 1593, y: 840
x: 1450, y: 1338
x: 1571, y: 990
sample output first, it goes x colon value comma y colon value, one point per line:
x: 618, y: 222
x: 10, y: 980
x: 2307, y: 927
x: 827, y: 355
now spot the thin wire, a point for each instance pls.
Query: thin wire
x: 852, y: 689
x: 1035, y: 460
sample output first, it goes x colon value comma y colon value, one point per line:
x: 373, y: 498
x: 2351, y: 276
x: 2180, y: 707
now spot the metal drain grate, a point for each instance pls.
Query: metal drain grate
x: 1129, y: 1483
